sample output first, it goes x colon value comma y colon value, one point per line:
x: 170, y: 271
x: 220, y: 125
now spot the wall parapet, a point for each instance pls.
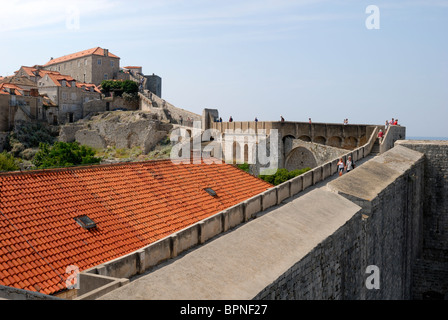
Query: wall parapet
x: 393, y: 134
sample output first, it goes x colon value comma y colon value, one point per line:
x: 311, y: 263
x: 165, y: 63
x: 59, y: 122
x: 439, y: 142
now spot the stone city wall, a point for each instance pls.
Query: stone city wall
x: 165, y: 110
x: 430, y: 274
x: 384, y: 234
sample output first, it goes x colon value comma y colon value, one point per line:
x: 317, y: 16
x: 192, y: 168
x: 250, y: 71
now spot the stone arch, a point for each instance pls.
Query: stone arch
x: 335, y: 142
x: 305, y: 138
x: 287, y: 143
x: 246, y: 153
x: 350, y: 142
x: 320, y: 140
x: 300, y: 158
x: 236, y: 152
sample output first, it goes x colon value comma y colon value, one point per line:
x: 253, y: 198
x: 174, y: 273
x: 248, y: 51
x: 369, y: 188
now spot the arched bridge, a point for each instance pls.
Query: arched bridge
x: 342, y: 136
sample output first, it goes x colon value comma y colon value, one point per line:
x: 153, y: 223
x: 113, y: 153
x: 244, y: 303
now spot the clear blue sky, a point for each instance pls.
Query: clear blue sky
x: 264, y: 58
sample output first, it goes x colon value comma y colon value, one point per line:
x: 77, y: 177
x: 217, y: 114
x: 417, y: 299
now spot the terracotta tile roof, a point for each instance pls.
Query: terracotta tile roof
x: 30, y: 71
x: 94, y: 51
x: 57, y: 77
x: 133, y: 205
x: 20, y: 80
x: 87, y: 86
x: 5, y: 88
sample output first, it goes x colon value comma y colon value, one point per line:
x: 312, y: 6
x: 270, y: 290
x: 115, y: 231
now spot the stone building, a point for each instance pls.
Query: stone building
x: 88, y: 66
x: 67, y: 95
x: 17, y: 103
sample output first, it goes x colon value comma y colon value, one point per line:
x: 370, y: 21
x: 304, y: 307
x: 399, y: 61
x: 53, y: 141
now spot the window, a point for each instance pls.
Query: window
x: 73, y: 96
x: 85, y: 61
x: 64, y: 96
x: 106, y: 76
x: 211, y: 192
x: 112, y: 63
x: 99, y: 62
x: 85, y: 222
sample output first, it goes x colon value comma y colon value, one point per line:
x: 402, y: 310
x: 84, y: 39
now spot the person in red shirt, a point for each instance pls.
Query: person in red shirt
x: 380, y: 135
x: 396, y: 122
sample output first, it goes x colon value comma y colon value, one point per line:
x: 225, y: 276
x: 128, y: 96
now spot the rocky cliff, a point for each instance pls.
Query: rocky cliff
x: 119, y: 129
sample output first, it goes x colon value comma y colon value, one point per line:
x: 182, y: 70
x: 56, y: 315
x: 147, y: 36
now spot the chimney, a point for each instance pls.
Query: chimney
x: 106, y: 52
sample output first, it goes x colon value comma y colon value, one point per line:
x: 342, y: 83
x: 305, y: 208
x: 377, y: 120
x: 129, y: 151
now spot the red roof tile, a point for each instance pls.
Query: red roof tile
x: 132, y: 204
x: 94, y: 51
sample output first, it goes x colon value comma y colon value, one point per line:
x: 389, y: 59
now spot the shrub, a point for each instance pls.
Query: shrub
x: 283, y: 175
x: 119, y: 87
x: 7, y: 162
x: 244, y: 167
x: 63, y: 154
x: 27, y: 136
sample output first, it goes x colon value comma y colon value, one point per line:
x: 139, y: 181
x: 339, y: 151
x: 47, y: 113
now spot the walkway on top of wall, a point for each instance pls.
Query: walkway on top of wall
x: 242, y: 262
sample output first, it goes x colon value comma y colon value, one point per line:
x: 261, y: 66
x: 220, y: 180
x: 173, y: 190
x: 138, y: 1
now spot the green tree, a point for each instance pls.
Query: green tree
x: 7, y: 162
x: 282, y: 175
x: 63, y: 154
x: 129, y: 86
x: 119, y: 87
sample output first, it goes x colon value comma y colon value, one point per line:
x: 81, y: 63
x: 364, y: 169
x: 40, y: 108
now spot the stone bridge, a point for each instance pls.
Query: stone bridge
x: 293, y: 154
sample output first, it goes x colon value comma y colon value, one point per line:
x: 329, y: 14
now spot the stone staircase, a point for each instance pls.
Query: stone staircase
x: 376, y: 148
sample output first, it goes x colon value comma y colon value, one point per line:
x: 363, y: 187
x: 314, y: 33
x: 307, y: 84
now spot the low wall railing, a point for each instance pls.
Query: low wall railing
x: 392, y: 134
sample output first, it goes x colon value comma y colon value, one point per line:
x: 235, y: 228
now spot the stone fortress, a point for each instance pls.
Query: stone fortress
x: 317, y: 236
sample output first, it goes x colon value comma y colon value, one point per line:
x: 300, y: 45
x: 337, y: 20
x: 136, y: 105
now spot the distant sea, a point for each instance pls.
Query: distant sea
x: 426, y: 138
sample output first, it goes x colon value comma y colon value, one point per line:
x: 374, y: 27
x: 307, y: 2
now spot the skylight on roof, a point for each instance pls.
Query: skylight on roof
x: 85, y: 222
x: 211, y: 192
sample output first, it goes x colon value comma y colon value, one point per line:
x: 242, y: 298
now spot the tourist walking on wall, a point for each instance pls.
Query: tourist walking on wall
x: 341, y: 166
x: 350, y: 164
x: 380, y: 135
x: 230, y: 119
x: 282, y: 119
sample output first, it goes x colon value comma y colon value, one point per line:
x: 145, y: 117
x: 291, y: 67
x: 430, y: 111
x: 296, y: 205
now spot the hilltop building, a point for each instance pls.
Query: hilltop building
x: 98, y: 64
x: 88, y: 66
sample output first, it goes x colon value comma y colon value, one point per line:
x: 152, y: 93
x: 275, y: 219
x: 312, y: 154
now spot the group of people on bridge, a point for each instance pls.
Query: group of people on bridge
x: 347, y: 167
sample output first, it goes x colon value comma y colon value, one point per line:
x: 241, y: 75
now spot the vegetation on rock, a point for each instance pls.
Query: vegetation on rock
x: 63, y: 154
